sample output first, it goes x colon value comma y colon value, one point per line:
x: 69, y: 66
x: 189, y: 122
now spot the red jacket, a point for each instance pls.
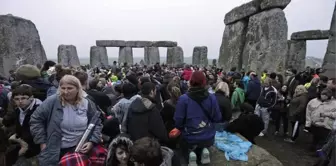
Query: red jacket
x: 187, y: 74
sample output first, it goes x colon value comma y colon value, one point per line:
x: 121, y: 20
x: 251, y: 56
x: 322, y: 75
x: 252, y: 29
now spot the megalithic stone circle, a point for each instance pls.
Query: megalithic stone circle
x: 175, y: 56
x: 19, y: 44
x: 98, y: 56
x: 200, y: 56
x: 67, y: 55
x: 329, y: 61
x: 125, y: 55
x: 310, y: 35
x: 152, y: 55
x: 296, y: 54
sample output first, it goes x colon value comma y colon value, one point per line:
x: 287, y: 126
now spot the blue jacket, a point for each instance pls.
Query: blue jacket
x: 189, y: 116
x: 245, y: 80
x: 253, y: 89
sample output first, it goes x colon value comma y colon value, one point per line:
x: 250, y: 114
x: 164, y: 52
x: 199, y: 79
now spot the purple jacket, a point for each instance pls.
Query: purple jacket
x: 191, y: 120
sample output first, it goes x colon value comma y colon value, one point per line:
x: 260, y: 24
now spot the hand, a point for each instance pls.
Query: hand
x: 43, y: 146
x: 86, y: 147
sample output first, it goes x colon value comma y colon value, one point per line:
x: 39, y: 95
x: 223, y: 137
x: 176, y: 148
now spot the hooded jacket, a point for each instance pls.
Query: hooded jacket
x: 144, y: 120
x: 297, y: 107
x: 119, y: 140
x: 238, y: 97
x: 167, y: 155
x: 253, y: 89
x: 224, y: 105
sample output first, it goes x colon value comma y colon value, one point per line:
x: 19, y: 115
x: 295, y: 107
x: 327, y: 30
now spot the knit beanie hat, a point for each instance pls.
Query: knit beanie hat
x: 27, y: 72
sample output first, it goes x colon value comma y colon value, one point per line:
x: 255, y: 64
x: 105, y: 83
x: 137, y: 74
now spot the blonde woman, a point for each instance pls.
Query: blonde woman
x: 61, y: 120
x: 222, y: 95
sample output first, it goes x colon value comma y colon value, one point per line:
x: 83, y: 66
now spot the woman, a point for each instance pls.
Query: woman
x: 119, y: 152
x: 195, y: 115
x: 61, y: 120
x: 222, y: 95
x: 168, y: 109
x: 296, y: 110
x: 280, y: 111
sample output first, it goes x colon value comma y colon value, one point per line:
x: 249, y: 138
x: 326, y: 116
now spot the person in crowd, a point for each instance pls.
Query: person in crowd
x: 25, y: 105
x: 58, y: 124
x: 280, y: 111
x: 320, y: 116
x: 195, y: 115
x: 264, y: 75
x: 238, y: 98
x: 246, y: 80
x: 45, y: 68
x: 253, y: 89
x: 30, y: 74
x: 222, y: 95
x: 56, y: 77
x: 292, y: 83
x: 97, y: 96
x: 119, y: 152
x: 266, y: 100
x: 163, y: 89
x: 312, y: 90
x: 120, y: 109
x: 4, y: 99
x: 11, y: 76
x: 186, y: 74
x: 297, y: 109
x: 332, y: 86
x: 248, y: 124
x: 274, y: 81
x: 148, y: 152
x: 169, y: 105
x: 143, y: 118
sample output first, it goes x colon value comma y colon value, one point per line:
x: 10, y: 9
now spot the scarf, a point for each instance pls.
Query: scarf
x: 198, y: 94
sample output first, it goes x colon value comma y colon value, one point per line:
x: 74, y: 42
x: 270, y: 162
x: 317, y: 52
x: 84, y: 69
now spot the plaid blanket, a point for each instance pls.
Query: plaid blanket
x: 96, y: 157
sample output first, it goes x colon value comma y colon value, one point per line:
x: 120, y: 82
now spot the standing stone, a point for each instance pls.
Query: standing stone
x: 232, y: 46
x: 125, y: 55
x: 98, y: 56
x: 200, y: 56
x: 19, y: 44
x: 214, y: 62
x: 152, y: 55
x: 266, y: 42
x: 175, y: 56
x: 329, y: 61
x: 269, y: 4
x: 296, y: 54
x: 67, y: 55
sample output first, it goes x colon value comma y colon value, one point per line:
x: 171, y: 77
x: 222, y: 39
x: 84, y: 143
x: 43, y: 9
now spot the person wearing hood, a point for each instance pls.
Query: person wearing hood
x: 253, y: 89
x: 143, y: 118
x: 120, y: 109
x: 30, y: 74
x: 148, y: 152
x: 297, y: 108
x: 238, y: 98
x: 195, y: 115
x: 25, y: 104
x: 119, y: 152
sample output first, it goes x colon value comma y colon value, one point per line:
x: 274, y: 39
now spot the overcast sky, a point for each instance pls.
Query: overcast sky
x: 189, y: 22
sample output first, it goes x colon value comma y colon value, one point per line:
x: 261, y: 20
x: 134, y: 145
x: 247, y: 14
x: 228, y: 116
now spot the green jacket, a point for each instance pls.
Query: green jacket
x: 238, y: 97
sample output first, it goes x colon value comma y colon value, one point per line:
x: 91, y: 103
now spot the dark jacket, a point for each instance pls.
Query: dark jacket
x: 144, y: 120
x: 268, y: 98
x: 40, y: 87
x: 253, y: 89
x: 312, y: 92
x: 167, y: 114
x: 224, y: 105
x: 297, y: 108
x: 99, y: 98
x: 276, y: 84
x: 164, y: 92
x: 23, y: 131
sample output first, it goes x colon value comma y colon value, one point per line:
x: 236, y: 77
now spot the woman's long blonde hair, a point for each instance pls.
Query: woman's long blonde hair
x: 223, y: 87
x: 72, y: 80
x: 299, y: 90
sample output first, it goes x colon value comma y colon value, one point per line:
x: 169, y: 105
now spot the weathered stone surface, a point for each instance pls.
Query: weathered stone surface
x: 296, y: 54
x: 67, y: 55
x: 266, y: 42
x: 200, y: 56
x: 175, y: 56
x: 139, y: 44
x: 310, y: 35
x: 164, y: 44
x: 125, y: 55
x: 232, y: 46
x: 98, y: 56
x: 269, y: 4
x: 19, y: 44
x: 243, y: 11
x: 111, y: 43
x: 329, y: 61
x: 214, y: 62
x: 152, y: 55
x: 256, y: 156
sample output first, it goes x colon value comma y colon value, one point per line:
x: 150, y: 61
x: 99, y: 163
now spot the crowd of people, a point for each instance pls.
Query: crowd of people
x: 124, y: 115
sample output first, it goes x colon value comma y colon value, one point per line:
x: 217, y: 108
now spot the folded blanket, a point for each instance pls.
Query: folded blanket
x: 233, y: 146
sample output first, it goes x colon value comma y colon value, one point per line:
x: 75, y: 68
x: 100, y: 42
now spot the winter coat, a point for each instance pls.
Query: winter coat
x: 238, y: 97
x: 194, y: 123
x: 23, y: 131
x: 144, y: 120
x: 167, y: 114
x: 40, y: 87
x: 253, y: 89
x: 297, y: 108
x: 313, y: 113
x: 164, y: 92
x: 246, y: 80
x: 312, y: 92
x: 45, y: 127
x: 276, y: 84
x: 99, y: 98
x: 112, y: 148
x: 224, y: 106
x: 268, y: 98
x: 187, y: 74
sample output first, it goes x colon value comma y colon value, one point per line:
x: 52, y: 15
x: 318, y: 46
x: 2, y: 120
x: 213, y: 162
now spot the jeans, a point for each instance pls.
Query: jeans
x: 265, y: 116
x: 281, y: 116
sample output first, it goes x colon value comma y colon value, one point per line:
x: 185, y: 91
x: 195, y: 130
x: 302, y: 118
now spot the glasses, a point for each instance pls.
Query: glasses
x: 20, y: 98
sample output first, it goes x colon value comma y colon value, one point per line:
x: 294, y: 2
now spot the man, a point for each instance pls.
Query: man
x: 144, y: 118
x: 267, y: 100
x: 274, y: 82
x: 253, y: 89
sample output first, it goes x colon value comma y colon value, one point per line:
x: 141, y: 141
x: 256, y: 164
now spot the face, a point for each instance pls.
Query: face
x: 153, y: 93
x: 122, y: 156
x: 22, y: 101
x: 330, y: 85
x: 284, y: 88
x: 324, y: 97
x: 69, y: 92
